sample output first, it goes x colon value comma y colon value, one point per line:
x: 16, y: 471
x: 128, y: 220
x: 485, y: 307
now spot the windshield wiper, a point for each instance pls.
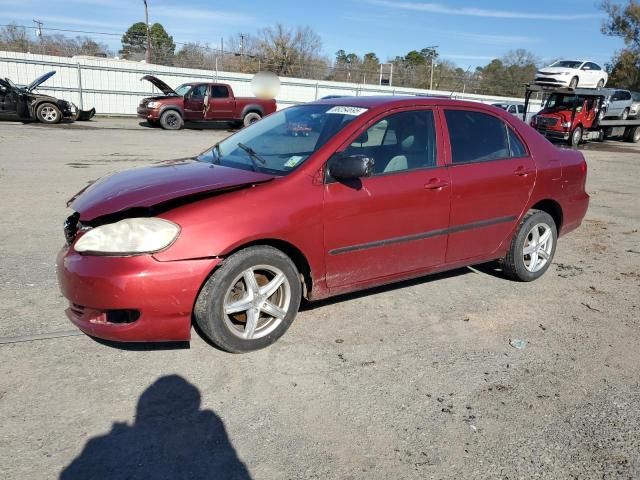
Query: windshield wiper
x: 255, y: 158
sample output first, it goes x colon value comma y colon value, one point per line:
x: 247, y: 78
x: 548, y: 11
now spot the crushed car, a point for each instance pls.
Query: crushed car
x: 22, y: 103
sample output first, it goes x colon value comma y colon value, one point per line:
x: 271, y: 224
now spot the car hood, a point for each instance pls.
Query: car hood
x: 39, y: 81
x: 149, y: 186
x: 160, y: 85
x: 555, y: 70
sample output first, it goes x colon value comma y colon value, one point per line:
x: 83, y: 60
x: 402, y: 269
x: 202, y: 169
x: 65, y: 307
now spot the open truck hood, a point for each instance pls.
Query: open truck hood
x: 160, y: 85
x: 149, y: 186
x: 39, y: 81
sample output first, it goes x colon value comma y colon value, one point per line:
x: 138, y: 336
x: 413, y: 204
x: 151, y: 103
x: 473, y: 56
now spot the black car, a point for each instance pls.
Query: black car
x: 21, y: 103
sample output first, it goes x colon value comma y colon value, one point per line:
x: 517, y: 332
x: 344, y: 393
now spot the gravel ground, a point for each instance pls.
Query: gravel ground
x: 416, y: 380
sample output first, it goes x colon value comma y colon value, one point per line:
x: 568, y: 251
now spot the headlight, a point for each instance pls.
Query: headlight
x: 566, y: 124
x: 132, y: 235
x: 565, y: 73
x: 153, y: 104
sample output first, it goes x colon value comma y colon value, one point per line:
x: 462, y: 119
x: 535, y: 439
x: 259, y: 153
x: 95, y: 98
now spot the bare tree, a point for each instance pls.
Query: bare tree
x: 14, y: 39
x: 293, y: 52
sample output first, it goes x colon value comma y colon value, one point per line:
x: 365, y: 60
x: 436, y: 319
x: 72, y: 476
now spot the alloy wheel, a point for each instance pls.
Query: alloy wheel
x: 257, y: 302
x: 49, y: 114
x: 538, y: 246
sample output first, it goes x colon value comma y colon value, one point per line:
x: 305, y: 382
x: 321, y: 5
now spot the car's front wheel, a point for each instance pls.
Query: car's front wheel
x: 250, y: 301
x: 171, y: 120
x: 625, y: 114
x: 574, y: 82
x: 576, y: 136
x: 532, y: 248
x: 48, y: 113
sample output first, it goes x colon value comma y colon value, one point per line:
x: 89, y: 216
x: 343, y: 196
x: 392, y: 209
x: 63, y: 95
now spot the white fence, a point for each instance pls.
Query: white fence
x: 113, y: 87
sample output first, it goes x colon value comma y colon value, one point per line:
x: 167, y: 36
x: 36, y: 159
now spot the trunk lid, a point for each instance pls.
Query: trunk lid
x: 149, y: 186
x: 160, y: 85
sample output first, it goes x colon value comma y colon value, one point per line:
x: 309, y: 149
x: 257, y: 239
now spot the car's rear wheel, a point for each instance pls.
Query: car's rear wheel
x: 48, y: 113
x: 250, y: 301
x: 633, y: 135
x: 600, y: 84
x: 251, y: 118
x: 532, y: 248
x: 576, y: 136
x: 574, y: 82
x: 171, y: 120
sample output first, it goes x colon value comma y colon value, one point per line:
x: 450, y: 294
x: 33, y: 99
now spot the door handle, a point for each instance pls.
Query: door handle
x: 523, y: 172
x: 436, y: 184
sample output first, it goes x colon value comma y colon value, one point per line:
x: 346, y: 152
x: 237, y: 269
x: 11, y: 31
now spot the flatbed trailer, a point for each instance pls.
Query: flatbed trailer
x: 600, y: 130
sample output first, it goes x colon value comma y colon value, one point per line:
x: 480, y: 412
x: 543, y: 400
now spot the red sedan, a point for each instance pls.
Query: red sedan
x: 382, y: 189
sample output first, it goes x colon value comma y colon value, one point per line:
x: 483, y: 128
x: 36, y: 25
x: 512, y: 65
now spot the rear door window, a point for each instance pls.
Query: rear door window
x: 476, y: 137
x: 219, y: 91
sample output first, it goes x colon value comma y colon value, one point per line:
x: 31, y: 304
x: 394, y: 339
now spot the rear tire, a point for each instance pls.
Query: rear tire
x: 48, y: 113
x: 600, y: 84
x: 230, y: 309
x: 251, y: 118
x: 574, y: 82
x: 171, y: 120
x: 532, y: 248
x: 633, y: 135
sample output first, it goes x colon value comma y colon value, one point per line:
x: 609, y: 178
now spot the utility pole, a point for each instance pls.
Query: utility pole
x: 242, y: 35
x: 434, y: 53
x: 221, y: 53
x: 39, y: 34
x: 146, y: 22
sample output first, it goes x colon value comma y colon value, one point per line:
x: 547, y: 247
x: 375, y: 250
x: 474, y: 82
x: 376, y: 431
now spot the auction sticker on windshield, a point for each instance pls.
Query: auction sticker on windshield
x: 342, y: 110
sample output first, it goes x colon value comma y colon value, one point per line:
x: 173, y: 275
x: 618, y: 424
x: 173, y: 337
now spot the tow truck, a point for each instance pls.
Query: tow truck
x: 575, y: 115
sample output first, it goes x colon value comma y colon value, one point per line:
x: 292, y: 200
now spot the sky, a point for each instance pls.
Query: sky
x: 469, y: 33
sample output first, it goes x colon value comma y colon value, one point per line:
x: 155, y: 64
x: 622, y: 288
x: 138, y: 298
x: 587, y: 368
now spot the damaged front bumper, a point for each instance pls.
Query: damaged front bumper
x: 131, y: 299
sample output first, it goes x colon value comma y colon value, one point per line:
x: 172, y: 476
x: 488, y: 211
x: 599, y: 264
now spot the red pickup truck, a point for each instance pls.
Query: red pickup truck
x: 200, y: 102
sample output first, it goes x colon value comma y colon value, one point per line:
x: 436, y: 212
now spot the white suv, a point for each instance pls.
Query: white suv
x: 572, y: 73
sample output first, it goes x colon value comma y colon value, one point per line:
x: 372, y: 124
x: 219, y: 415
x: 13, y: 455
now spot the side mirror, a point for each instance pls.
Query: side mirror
x: 351, y: 168
x: 206, y: 100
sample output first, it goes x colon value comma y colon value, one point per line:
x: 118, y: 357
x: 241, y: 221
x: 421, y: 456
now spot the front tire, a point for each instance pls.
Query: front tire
x: 624, y: 114
x: 250, y: 301
x: 171, y: 120
x: 576, y: 136
x: 251, y: 118
x: 532, y: 248
x: 574, y: 82
x: 48, y: 113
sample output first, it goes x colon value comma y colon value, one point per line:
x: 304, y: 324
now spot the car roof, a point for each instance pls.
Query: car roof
x: 390, y: 101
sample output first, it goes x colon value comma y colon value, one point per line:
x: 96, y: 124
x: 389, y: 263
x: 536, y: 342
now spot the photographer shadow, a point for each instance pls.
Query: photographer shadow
x: 171, y: 438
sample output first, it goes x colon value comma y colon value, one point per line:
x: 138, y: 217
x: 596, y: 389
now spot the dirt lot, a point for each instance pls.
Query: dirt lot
x: 413, y: 381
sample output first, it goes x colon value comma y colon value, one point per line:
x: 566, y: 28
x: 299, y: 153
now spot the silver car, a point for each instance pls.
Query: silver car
x: 617, y: 104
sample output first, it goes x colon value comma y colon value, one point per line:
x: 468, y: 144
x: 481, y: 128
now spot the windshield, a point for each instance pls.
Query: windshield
x: 635, y: 96
x: 562, y: 102
x: 183, y: 89
x: 567, y: 64
x: 283, y: 141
